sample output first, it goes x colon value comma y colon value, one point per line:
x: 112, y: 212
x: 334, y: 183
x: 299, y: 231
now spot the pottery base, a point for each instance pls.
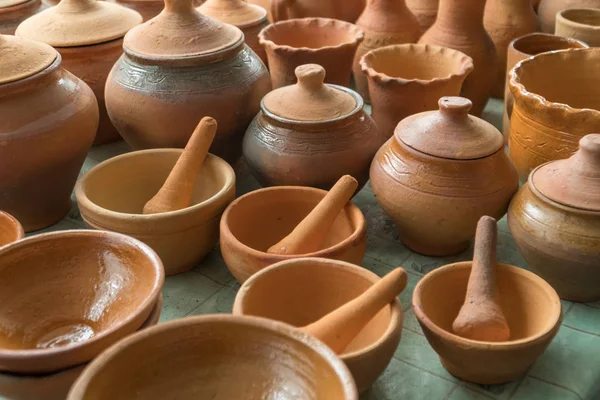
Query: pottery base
x: 433, y: 250
x: 474, y: 376
x: 49, y: 220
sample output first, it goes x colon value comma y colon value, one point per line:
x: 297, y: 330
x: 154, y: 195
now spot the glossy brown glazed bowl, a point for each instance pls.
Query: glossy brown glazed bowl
x: 10, y: 229
x: 581, y: 24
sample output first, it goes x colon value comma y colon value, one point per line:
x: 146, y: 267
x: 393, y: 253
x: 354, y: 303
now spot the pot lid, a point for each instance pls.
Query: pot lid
x: 234, y: 12
x: 574, y: 182
x: 79, y: 23
x: 310, y: 99
x: 23, y: 57
x: 179, y: 31
x: 10, y: 3
x: 450, y: 132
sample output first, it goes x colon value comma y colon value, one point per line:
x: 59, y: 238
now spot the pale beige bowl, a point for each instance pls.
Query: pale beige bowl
x: 581, y: 24
x: 10, y: 229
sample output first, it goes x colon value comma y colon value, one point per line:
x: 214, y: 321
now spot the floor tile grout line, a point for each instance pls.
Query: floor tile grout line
x: 465, y: 384
x: 580, y: 330
x: 517, y: 386
x: 204, y: 301
x: 450, y: 392
x: 555, y: 384
x: 568, y: 310
x: 424, y: 370
x: 395, y: 266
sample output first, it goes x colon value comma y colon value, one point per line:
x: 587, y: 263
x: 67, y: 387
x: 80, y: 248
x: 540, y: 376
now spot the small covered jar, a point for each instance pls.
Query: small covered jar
x: 13, y: 12
x: 311, y: 134
x: 441, y: 172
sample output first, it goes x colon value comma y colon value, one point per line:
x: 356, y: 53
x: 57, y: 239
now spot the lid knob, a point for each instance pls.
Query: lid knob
x: 455, y: 106
x: 587, y: 159
x: 310, y: 76
x: 179, y: 6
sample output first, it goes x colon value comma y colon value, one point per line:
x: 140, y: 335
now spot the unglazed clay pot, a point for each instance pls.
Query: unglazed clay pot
x: 48, y: 119
x: 303, y: 290
x: 10, y: 229
x: 311, y: 134
x: 345, y: 10
x: 172, y: 74
x: 555, y: 220
x: 548, y: 9
x: 327, y: 42
x: 547, y: 121
x: 13, y: 12
x: 581, y: 24
x: 425, y: 11
x: 459, y: 26
x: 532, y: 309
x: 439, y: 173
x: 408, y: 79
x: 217, y: 356
x: 148, y: 9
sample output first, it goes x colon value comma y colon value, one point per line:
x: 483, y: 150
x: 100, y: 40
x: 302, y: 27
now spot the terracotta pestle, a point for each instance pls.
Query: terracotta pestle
x: 311, y: 232
x: 481, y: 317
x: 176, y: 193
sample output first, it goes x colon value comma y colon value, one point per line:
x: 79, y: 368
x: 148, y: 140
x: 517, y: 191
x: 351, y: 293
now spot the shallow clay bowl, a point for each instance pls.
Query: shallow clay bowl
x: 303, y: 290
x: 112, y: 195
x: 217, y: 357
x: 531, y: 306
x: 66, y: 296
x: 259, y: 219
x: 10, y: 229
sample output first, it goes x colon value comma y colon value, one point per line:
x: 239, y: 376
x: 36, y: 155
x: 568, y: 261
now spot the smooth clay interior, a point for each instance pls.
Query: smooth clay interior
x: 583, y: 16
x: 9, y: 230
x: 311, y: 35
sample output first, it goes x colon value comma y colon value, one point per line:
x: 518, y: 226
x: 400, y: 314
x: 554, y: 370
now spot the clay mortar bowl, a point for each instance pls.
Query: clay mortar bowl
x: 530, y: 304
x: 303, y: 290
x: 217, y: 356
x: 10, y: 229
x: 257, y: 220
x: 112, y: 195
x: 580, y: 23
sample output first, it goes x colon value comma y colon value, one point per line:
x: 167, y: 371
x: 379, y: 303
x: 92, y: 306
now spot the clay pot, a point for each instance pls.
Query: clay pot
x: 535, y: 4
x: 13, y: 12
x: 111, y: 197
x: 581, y: 24
x: 327, y: 42
x: 233, y: 357
x: 504, y: 21
x: 459, y: 26
x: 48, y: 119
x: 266, y: 5
x: 548, y: 120
x: 10, y: 229
x: 548, y: 9
x: 411, y: 78
x: 345, y: 10
x: 148, y: 9
x: 439, y: 173
x: 531, y: 306
x: 159, y: 88
x: 425, y: 11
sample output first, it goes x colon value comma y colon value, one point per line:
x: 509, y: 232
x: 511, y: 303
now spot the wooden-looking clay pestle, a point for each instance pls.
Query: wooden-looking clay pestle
x: 338, y: 328
x: 311, y: 232
x: 177, y: 191
x: 481, y: 317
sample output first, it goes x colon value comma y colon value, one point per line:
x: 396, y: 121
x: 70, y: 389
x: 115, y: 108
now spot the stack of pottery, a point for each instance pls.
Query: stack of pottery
x: 13, y: 12
x: 88, y: 34
x: 548, y: 9
x: 345, y: 10
x: 425, y: 11
x: 580, y: 24
x: 10, y: 229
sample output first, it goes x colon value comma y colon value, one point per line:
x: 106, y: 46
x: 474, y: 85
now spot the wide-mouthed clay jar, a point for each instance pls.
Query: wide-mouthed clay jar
x: 548, y: 120
x: 441, y: 172
x: 311, y: 134
x: 48, y: 120
x: 88, y: 34
x: 345, y: 10
x: 581, y: 24
x: 555, y: 220
x: 172, y: 74
x: 13, y: 12
x: 548, y: 9
x: 425, y: 11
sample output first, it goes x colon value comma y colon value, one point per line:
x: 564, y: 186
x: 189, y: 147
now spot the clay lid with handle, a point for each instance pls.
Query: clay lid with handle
x: 310, y: 99
x: 234, y: 12
x: 79, y: 23
x: 574, y: 182
x: 450, y: 132
x: 20, y: 58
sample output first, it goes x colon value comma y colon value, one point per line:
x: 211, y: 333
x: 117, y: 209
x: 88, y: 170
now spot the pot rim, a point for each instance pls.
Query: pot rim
x: 15, y: 7
x: 247, y: 24
x: 563, y: 17
x: 534, y: 35
x: 16, y: 226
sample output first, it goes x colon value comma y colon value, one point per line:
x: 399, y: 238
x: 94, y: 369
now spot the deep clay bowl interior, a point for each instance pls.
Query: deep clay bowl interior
x: 312, y: 33
x: 590, y: 16
x: 10, y: 229
x: 536, y: 43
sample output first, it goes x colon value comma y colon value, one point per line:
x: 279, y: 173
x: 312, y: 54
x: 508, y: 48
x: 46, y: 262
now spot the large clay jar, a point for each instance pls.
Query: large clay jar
x: 555, y: 220
x: 425, y: 11
x: 506, y: 20
x: 550, y: 115
x: 48, y: 119
x: 384, y: 22
x: 548, y: 9
x: 441, y: 172
x: 311, y: 134
x: 13, y: 12
x: 266, y: 4
x: 178, y: 68
x: 345, y: 10
x: 581, y: 24
x: 459, y: 25
x: 88, y: 34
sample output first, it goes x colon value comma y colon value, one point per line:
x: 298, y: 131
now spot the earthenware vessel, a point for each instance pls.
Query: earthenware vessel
x: 408, y: 79
x: 305, y: 289
x: 548, y: 9
x: 13, y: 12
x: 425, y: 11
x: 439, y: 173
x: 345, y: 10
x: 459, y: 26
x: 248, y: 357
x: 547, y: 121
x: 165, y: 82
x: 535, y: 4
x: 384, y: 22
x: 504, y: 21
x: 318, y: 131
x: 581, y: 24
x: 48, y: 119
x: 10, y: 229
x: 327, y: 42
x: 148, y: 9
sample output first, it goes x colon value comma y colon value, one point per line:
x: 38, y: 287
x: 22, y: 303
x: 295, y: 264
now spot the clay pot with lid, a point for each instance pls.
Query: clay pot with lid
x: 581, y: 24
x: 425, y: 11
x: 548, y: 9
x: 344, y: 10
x: 13, y: 12
x: 48, y: 120
x: 439, y: 173
x: 10, y: 229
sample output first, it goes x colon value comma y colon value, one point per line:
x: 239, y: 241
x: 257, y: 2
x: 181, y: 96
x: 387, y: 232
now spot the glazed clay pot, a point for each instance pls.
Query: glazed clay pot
x: 547, y: 121
x: 327, y: 42
x: 13, y: 12
x: 548, y: 9
x: 409, y: 79
x: 48, y: 119
x: 439, y: 173
x: 159, y: 89
x: 580, y: 24
x: 10, y: 229
x: 459, y: 26
x: 345, y: 10
x: 425, y: 11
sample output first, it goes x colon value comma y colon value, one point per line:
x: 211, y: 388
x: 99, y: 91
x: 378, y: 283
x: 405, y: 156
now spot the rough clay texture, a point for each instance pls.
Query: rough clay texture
x: 344, y: 10
x: 425, y: 11
x: 22, y: 58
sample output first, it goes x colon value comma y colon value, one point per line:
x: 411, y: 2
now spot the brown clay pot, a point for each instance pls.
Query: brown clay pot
x: 408, y: 79
x: 265, y: 4
x: 548, y: 9
x: 581, y: 24
x: 48, y: 119
x: 345, y: 10
x: 327, y: 42
x: 12, y: 13
x: 459, y: 26
x: 531, y: 306
x: 148, y: 9
x: 547, y: 121
x: 425, y: 11
x: 441, y: 172
x: 236, y: 357
x: 10, y: 229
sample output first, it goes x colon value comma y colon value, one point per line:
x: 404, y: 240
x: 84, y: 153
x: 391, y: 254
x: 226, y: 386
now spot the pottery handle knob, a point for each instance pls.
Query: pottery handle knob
x: 589, y: 145
x: 179, y: 6
x: 455, y: 106
x: 310, y: 76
